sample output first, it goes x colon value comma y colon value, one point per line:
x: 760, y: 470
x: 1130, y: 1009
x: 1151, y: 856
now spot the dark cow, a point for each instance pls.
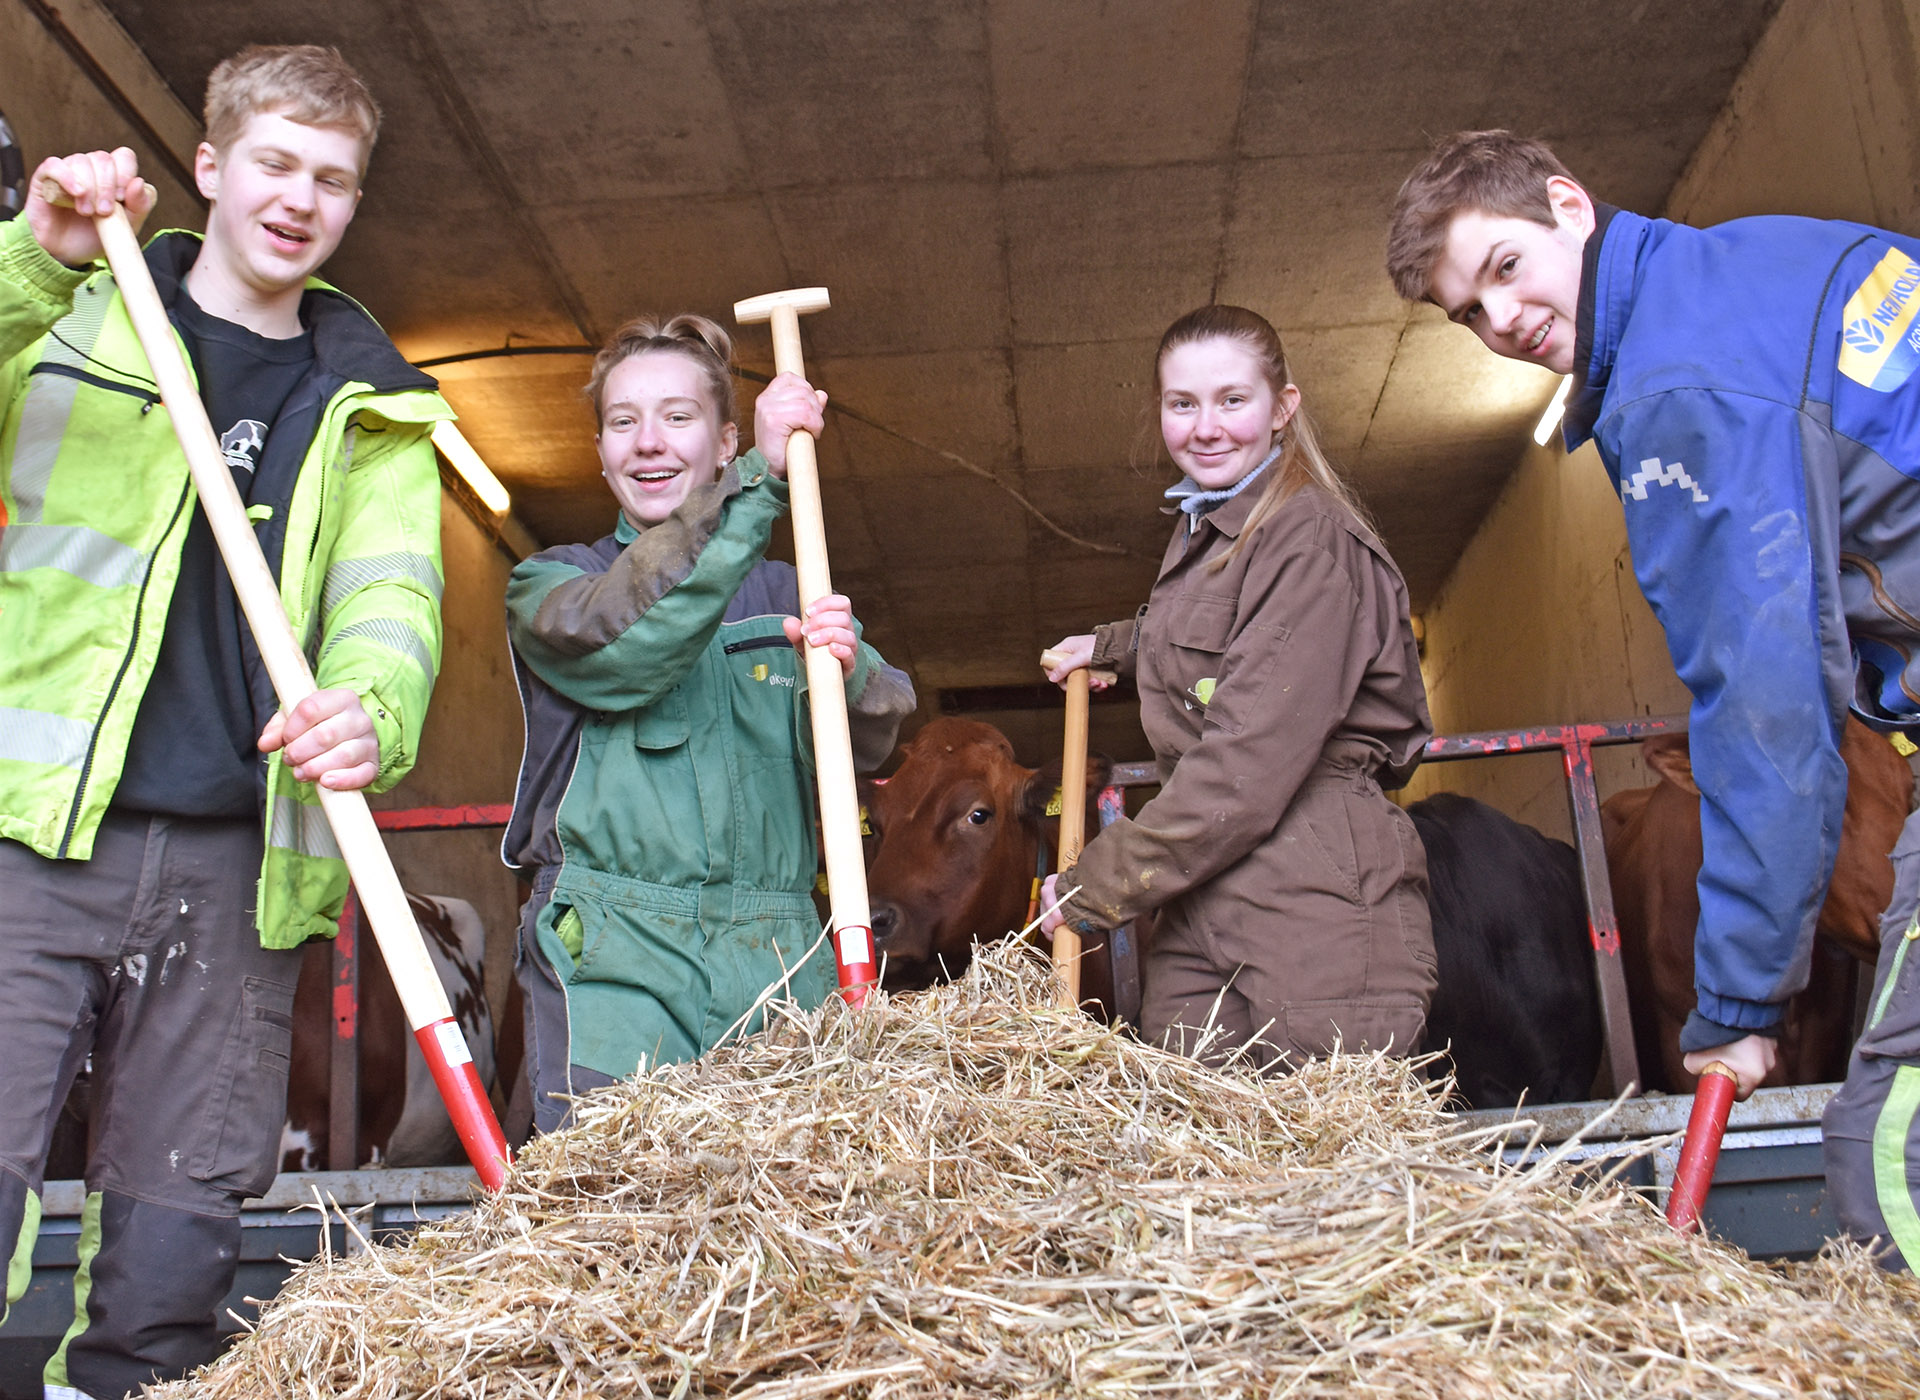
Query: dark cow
x: 1653, y: 856
x: 959, y: 833
x: 1517, y: 1007
x: 403, y: 1122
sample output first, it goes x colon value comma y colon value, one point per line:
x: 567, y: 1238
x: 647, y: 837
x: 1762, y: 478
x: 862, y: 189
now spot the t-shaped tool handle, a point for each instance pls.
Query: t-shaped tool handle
x: 826, y: 685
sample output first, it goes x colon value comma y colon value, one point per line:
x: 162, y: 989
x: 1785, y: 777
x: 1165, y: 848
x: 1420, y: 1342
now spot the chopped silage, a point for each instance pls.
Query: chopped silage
x: 967, y: 1192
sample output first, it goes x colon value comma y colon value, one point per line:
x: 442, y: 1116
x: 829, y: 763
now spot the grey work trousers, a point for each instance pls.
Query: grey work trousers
x: 145, y: 958
x: 1871, y: 1128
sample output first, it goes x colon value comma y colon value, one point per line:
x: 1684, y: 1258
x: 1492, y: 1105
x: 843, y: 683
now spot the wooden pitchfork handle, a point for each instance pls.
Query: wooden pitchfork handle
x: 1073, y: 813
x: 421, y: 993
x: 852, y: 922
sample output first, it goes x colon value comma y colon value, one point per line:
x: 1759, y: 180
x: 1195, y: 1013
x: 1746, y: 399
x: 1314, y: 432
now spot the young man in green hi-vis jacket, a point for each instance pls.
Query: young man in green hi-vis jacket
x: 161, y: 845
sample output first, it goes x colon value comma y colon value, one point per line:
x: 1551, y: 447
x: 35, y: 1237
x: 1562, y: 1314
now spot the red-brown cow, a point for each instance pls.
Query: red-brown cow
x: 1653, y: 857
x: 958, y: 835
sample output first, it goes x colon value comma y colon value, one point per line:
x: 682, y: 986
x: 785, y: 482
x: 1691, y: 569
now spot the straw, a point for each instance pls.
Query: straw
x: 968, y: 1192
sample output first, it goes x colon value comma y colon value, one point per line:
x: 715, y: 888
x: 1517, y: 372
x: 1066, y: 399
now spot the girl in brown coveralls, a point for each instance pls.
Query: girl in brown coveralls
x: 1280, y: 689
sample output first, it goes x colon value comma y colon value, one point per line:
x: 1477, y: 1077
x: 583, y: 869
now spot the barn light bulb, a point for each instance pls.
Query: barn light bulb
x: 1556, y: 406
x: 464, y: 460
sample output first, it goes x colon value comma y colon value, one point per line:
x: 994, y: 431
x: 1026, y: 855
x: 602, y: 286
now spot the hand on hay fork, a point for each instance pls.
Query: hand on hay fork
x: 421, y: 995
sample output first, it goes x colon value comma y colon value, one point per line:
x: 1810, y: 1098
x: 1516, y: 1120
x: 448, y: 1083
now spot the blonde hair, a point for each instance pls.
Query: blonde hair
x: 1491, y: 172
x: 306, y: 83
x: 1301, y: 461
x: 700, y: 340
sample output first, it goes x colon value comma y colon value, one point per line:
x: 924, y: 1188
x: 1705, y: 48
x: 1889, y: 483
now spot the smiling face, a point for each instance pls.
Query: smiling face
x: 1515, y: 283
x: 1218, y: 413
x: 282, y: 195
x: 660, y: 434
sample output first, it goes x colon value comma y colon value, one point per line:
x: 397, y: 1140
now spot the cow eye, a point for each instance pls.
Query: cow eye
x: 980, y: 816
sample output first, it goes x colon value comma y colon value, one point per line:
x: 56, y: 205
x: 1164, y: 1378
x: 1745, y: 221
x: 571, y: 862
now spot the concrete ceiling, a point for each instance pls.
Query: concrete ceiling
x: 1009, y: 200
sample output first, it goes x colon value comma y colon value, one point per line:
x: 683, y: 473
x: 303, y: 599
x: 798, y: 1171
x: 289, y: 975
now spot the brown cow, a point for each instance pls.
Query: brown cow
x: 1653, y: 857
x: 958, y: 833
x: 403, y: 1122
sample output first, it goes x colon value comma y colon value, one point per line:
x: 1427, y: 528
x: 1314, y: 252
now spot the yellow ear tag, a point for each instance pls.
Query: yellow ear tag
x: 759, y: 672
x: 866, y: 827
x: 1053, y: 804
x: 1203, y: 690
x: 820, y: 884
x: 1904, y: 746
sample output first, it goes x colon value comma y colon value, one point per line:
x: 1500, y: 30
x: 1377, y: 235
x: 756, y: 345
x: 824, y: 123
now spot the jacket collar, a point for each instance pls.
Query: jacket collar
x: 346, y: 340
x: 1230, y: 516
x: 1609, y: 279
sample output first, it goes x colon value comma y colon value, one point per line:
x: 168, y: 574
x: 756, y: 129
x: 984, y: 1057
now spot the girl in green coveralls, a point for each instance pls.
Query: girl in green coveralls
x: 664, y: 812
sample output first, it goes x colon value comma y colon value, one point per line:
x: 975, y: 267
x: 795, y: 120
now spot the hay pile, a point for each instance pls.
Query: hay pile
x: 965, y: 1192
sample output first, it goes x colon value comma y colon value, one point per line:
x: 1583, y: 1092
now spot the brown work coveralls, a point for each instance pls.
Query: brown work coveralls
x: 1277, y: 692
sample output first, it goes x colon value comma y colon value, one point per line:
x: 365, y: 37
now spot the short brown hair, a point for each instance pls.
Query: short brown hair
x: 1493, y: 172
x: 700, y: 340
x: 305, y: 83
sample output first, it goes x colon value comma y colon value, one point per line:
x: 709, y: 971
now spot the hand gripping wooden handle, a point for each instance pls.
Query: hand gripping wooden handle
x: 826, y: 684
x: 421, y: 994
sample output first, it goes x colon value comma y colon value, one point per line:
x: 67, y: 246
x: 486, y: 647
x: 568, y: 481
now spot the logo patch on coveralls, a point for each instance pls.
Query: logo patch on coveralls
x: 1879, y: 343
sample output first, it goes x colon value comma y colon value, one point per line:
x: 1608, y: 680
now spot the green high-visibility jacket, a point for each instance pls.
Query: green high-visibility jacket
x: 95, y: 500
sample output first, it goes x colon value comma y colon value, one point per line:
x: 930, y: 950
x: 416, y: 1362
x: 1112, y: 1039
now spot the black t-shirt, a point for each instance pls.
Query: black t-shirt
x: 193, y: 748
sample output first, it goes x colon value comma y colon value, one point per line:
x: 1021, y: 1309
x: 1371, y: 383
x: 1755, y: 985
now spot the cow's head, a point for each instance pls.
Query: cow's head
x: 957, y: 838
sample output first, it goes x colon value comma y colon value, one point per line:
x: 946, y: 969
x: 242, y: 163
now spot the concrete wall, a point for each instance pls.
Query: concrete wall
x: 55, y: 110
x: 1541, y: 620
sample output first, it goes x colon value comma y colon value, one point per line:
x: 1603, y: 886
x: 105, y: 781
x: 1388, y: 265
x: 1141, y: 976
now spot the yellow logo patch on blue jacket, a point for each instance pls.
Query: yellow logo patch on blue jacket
x: 1879, y: 344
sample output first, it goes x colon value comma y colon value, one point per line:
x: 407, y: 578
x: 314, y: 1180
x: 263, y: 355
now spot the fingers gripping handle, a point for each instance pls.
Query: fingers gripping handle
x: 826, y: 685
x: 1700, y: 1153
x: 398, y: 937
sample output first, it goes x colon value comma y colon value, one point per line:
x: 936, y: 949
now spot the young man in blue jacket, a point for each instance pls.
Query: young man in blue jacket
x: 1752, y: 389
x: 162, y: 852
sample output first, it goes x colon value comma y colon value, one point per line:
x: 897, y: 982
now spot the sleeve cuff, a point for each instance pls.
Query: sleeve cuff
x: 25, y: 262
x: 1702, y: 1034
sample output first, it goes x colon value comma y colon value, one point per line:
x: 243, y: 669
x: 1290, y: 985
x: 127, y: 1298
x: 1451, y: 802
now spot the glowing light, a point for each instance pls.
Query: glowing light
x: 459, y: 452
x: 1556, y: 406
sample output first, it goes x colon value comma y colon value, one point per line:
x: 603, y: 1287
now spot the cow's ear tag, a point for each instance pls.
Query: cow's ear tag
x: 820, y: 884
x: 866, y: 827
x: 1903, y: 746
x: 1053, y: 804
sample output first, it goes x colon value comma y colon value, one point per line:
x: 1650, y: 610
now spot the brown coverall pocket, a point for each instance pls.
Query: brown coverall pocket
x: 1313, y: 1027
